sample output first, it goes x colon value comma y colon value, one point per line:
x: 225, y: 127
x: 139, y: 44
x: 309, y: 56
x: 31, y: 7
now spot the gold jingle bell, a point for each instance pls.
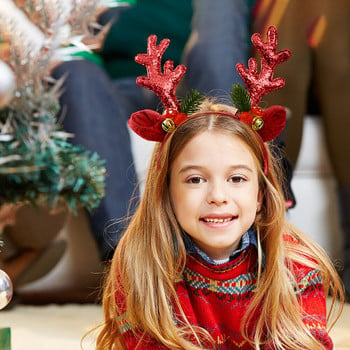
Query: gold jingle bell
x: 168, y: 125
x: 257, y: 123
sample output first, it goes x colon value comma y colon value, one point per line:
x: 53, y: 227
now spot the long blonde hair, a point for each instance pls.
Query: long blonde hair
x: 151, y: 256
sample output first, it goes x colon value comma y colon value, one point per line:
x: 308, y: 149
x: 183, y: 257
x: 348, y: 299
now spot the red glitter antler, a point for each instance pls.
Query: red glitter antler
x: 260, y: 84
x: 162, y: 84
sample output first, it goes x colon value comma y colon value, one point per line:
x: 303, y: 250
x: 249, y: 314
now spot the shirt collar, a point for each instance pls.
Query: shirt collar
x: 248, y: 238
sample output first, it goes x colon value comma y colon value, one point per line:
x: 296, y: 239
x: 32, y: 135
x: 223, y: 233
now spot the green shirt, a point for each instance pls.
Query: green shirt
x: 128, y: 35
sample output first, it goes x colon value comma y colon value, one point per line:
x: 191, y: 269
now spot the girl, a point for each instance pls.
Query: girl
x: 208, y: 260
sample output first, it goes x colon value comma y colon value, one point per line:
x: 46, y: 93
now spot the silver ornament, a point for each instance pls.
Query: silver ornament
x: 6, y: 289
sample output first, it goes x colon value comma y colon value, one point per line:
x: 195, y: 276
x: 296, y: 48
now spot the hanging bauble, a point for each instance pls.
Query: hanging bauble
x: 7, y: 84
x: 6, y: 289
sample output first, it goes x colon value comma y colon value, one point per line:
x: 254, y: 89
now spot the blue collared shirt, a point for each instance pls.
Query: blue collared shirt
x: 248, y: 238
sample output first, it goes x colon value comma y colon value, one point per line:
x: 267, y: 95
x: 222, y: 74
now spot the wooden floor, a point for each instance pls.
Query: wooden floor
x: 341, y: 332
x: 63, y: 326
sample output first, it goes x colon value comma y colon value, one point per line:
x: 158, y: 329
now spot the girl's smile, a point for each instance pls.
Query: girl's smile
x: 215, y: 192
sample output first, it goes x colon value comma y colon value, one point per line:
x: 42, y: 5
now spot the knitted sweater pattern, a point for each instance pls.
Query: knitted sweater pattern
x: 215, y: 297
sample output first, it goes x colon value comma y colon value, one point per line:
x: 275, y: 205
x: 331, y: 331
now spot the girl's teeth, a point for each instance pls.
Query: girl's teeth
x: 217, y: 220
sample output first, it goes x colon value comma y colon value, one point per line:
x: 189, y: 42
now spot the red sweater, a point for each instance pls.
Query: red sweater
x: 216, y: 297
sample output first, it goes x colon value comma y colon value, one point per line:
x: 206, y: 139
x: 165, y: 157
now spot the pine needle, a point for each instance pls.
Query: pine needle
x: 241, y: 98
x: 192, y: 102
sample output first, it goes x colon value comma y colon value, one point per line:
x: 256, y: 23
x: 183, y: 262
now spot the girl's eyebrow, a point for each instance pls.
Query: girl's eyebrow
x: 199, y: 167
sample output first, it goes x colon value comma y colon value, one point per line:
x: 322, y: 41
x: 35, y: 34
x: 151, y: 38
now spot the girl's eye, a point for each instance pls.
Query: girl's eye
x: 195, y: 180
x: 237, y: 179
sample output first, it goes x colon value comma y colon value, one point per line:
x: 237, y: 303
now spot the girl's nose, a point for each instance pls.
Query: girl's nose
x: 217, y: 194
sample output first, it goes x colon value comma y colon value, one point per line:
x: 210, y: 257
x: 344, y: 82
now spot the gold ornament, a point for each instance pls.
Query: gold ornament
x: 168, y: 125
x: 257, y: 123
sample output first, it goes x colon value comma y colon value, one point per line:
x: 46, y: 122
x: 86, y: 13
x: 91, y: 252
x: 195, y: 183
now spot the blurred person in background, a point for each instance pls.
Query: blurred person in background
x: 318, y: 75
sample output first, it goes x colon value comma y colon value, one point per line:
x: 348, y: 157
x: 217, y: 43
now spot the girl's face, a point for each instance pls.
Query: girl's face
x: 215, y: 191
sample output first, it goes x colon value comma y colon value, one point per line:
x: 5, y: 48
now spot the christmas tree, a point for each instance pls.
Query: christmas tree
x: 37, y: 161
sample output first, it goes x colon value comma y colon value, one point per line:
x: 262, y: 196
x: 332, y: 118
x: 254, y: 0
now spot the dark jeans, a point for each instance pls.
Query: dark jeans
x: 220, y: 38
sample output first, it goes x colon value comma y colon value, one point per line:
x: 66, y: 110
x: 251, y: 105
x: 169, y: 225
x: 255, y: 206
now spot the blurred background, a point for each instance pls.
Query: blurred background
x: 71, y: 171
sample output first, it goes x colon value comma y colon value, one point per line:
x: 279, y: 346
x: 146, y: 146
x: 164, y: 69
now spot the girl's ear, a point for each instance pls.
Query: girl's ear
x: 259, y: 201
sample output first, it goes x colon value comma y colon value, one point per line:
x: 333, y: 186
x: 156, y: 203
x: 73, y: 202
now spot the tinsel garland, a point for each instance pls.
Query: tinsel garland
x: 37, y: 161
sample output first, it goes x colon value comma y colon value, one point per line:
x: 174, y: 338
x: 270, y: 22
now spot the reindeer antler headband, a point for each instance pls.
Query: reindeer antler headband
x: 268, y: 123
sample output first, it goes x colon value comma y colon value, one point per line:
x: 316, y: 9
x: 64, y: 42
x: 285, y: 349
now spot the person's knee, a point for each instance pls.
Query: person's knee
x: 78, y: 70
